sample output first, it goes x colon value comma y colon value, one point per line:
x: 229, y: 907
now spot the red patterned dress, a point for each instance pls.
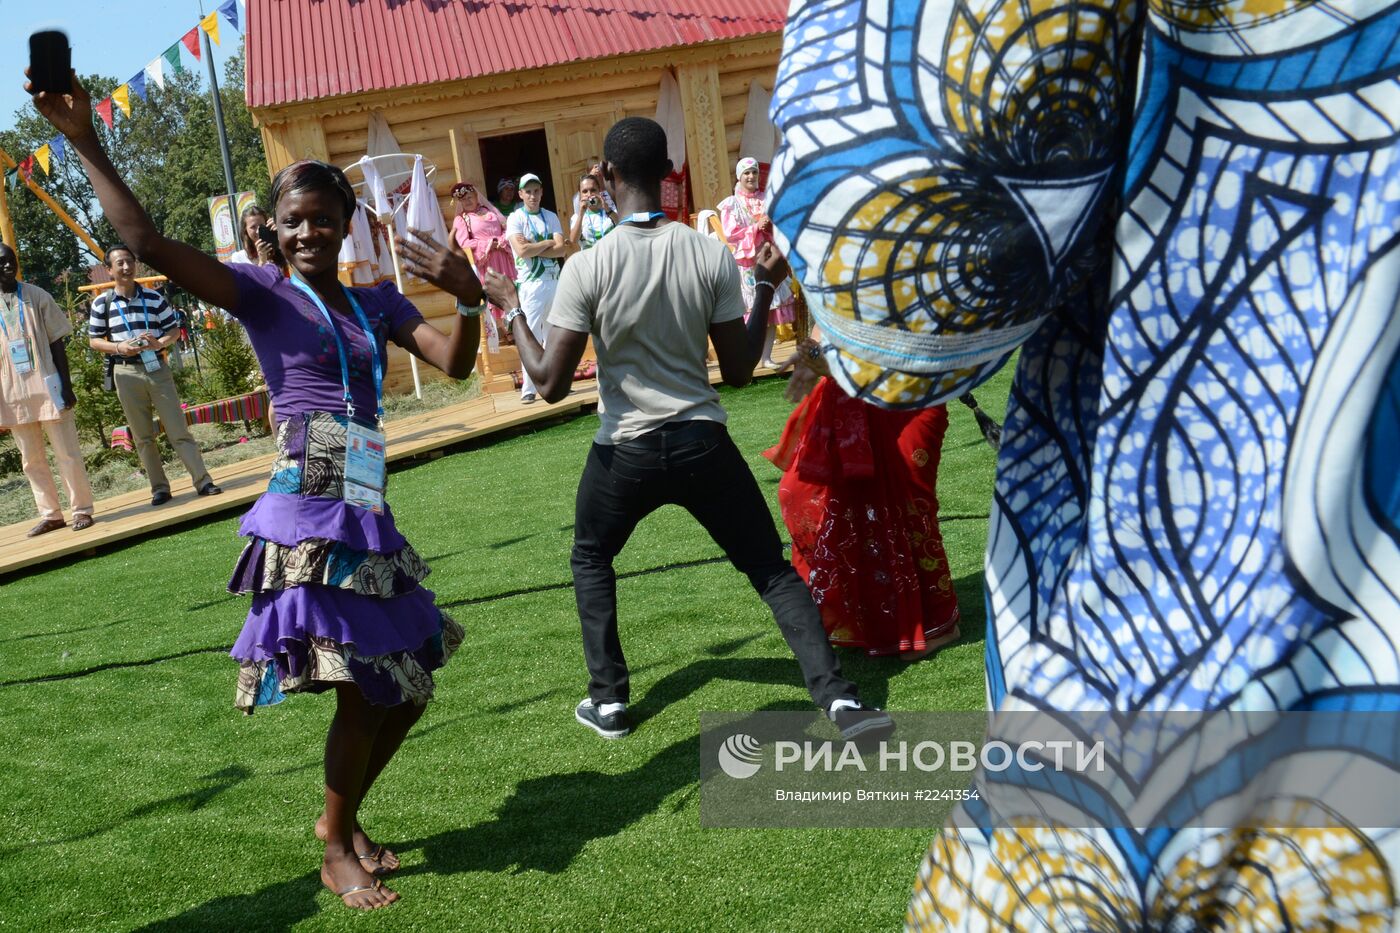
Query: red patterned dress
x: 858, y: 498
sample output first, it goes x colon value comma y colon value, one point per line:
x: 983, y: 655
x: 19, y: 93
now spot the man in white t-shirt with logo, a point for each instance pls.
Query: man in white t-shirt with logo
x: 537, y: 239
x: 650, y: 293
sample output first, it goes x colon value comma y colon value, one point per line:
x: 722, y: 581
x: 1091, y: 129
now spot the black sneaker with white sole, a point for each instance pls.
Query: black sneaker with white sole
x: 862, y: 724
x: 611, y: 726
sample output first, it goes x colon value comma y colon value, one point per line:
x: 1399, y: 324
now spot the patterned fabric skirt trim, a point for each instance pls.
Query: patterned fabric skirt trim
x: 265, y: 565
x: 784, y: 308
x: 317, y: 663
x: 932, y: 631
x: 325, y: 611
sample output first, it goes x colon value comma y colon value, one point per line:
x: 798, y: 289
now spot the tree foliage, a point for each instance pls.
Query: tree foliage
x: 167, y: 151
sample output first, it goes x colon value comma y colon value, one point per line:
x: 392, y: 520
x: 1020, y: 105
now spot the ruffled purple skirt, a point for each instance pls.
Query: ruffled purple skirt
x: 337, y: 591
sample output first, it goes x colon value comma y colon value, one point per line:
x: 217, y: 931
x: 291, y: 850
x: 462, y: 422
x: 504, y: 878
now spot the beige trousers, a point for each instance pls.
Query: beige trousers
x: 63, y: 437
x: 144, y: 396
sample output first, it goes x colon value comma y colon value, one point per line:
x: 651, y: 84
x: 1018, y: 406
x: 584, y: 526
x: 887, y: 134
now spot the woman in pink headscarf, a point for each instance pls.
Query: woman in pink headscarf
x: 480, y: 230
x: 747, y: 227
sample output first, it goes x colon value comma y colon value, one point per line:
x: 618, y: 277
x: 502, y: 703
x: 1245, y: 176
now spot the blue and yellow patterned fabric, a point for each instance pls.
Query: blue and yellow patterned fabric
x: 1186, y: 214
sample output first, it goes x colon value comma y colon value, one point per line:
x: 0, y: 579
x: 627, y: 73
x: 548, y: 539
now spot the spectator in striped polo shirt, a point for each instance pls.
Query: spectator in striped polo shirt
x: 133, y: 325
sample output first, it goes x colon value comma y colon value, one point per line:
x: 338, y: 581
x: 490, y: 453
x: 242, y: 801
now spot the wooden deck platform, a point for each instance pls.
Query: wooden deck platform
x: 130, y: 514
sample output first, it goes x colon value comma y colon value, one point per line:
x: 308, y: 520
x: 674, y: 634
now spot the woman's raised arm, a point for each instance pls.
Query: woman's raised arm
x: 198, y: 273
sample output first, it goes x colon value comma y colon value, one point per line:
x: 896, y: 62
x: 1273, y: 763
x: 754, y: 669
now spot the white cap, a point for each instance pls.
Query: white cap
x: 529, y: 177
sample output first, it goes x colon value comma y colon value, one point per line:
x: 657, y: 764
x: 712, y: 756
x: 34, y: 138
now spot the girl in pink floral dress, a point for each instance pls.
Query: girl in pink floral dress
x: 747, y: 227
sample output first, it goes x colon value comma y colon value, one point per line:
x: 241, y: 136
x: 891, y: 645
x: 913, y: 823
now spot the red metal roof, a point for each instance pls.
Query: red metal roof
x: 307, y: 49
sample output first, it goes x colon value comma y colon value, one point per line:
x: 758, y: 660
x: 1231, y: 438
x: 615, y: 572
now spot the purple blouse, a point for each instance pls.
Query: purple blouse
x: 297, y: 350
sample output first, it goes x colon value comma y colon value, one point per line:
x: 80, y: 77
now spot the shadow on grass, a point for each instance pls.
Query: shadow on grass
x: 189, y: 801
x: 569, y: 584
x: 112, y: 666
x: 543, y: 825
x: 228, y: 598
x: 274, y: 907
x: 566, y: 812
x: 70, y: 631
x: 972, y: 606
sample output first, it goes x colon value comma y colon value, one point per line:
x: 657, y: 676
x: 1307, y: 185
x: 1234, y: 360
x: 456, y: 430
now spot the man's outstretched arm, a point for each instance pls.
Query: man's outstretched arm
x: 552, y: 367
x: 738, y: 343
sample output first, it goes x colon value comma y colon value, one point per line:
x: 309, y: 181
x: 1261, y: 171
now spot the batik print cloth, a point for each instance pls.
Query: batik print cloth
x: 1186, y: 216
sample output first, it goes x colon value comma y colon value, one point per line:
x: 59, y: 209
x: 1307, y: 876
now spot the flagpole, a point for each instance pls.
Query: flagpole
x: 219, y: 121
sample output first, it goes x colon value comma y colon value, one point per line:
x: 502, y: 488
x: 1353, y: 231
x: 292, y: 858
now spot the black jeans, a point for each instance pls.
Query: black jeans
x: 695, y: 465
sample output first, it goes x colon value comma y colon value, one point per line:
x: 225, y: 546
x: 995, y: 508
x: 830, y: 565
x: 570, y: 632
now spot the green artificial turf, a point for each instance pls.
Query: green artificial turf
x: 134, y: 796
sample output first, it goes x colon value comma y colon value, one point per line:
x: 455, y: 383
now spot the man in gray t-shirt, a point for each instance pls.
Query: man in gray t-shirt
x: 650, y: 332
x: 650, y: 294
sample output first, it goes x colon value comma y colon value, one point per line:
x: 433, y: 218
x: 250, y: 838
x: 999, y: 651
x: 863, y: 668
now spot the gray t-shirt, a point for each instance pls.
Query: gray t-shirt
x: 648, y: 297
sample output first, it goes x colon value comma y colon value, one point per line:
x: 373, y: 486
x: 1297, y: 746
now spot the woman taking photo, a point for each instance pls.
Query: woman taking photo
x: 593, y: 218
x: 256, y: 250
x: 337, y: 601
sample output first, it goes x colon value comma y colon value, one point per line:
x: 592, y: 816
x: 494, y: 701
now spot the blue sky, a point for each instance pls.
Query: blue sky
x: 108, y: 37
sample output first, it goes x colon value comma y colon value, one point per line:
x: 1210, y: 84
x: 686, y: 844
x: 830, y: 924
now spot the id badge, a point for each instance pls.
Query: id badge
x: 364, y: 467
x: 19, y: 355
x: 151, y: 359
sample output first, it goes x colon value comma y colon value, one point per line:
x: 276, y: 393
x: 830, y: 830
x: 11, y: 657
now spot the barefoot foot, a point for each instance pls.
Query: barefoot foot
x: 375, y: 858
x: 357, y: 889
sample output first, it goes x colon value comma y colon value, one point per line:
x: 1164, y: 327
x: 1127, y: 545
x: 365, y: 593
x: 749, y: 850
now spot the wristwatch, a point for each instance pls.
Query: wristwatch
x: 467, y: 310
x: 510, y: 317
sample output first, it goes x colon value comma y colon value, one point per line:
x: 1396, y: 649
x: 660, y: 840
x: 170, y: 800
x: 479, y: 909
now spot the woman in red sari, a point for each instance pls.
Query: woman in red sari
x: 858, y: 497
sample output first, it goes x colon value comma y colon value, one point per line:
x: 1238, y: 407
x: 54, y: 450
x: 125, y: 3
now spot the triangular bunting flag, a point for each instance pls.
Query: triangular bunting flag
x: 12, y: 178
x: 42, y: 155
x: 230, y: 11
x: 26, y: 167
x: 104, y: 110
x: 172, y: 55
x: 191, y: 40
x: 138, y: 84
x: 123, y: 98
x: 210, y: 24
x: 59, y: 149
x: 157, y: 73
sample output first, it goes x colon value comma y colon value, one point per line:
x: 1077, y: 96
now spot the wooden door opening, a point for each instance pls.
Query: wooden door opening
x: 516, y: 154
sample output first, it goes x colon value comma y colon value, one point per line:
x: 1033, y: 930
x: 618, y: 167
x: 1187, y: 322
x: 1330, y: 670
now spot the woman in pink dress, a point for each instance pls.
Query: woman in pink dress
x: 747, y: 227
x: 480, y: 230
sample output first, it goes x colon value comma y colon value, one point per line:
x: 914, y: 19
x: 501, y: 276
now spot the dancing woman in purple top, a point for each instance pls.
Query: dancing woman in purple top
x: 337, y: 597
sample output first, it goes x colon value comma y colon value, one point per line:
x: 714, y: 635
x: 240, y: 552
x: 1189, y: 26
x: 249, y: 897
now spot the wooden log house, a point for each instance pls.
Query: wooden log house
x: 492, y: 88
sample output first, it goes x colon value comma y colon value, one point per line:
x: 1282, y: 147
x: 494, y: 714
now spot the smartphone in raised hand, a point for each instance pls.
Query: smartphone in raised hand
x: 50, y: 62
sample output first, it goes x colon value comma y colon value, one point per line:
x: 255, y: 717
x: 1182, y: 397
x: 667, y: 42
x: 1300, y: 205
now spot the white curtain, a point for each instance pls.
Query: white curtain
x: 760, y: 136
x: 671, y: 115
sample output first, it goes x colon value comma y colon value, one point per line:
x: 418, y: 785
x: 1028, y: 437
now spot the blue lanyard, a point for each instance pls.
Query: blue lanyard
x: 19, y: 299
x: 542, y: 233
x: 642, y: 218
x: 598, y: 226
x: 145, y: 312
x: 340, y: 348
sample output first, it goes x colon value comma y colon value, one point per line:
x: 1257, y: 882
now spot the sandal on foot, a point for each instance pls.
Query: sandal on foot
x: 380, y: 869
x: 353, y: 890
